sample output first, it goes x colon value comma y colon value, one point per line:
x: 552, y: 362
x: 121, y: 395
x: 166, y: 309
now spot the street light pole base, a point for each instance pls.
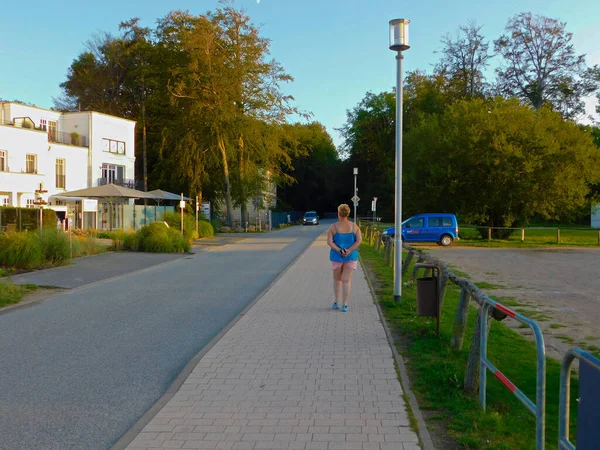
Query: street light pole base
x: 397, y: 298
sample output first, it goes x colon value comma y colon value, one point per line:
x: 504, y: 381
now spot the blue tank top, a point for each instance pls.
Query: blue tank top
x: 343, y: 240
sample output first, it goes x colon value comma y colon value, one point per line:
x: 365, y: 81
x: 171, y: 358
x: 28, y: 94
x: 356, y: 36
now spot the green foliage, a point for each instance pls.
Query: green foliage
x: 22, y: 250
x: 205, y: 229
x: 189, y: 224
x: 55, y: 246
x: 158, y: 238
x: 498, y: 163
x: 13, y: 293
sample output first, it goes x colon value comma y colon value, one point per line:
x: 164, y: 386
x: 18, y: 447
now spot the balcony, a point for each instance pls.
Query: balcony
x: 58, y: 137
x: 131, y: 184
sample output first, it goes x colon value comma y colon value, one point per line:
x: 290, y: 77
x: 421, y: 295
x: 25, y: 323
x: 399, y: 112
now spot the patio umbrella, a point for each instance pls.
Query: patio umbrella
x: 164, y: 195
x: 109, y: 192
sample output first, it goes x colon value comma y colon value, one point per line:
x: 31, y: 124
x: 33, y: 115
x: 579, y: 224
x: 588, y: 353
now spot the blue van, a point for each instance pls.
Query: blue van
x: 432, y: 227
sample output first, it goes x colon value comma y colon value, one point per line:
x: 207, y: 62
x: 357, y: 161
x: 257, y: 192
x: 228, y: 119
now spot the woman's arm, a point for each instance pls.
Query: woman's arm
x: 358, y: 241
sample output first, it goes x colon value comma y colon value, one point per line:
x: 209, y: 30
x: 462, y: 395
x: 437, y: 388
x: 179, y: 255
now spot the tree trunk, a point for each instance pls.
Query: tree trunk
x: 227, y: 187
x: 472, y: 373
x: 144, y: 159
x: 243, y: 203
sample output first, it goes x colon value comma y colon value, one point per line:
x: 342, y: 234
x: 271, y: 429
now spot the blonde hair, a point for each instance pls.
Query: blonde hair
x: 344, y: 210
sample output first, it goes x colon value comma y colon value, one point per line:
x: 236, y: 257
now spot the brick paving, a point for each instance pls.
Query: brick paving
x: 292, y: 374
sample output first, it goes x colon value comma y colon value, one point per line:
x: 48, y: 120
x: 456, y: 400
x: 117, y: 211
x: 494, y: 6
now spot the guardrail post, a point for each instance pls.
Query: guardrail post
x: 473, y: 365
x: 599, y: 237
x: 489, y: 234
x: 558, y: 235
x: 522, y: 234
x: 460, y: 322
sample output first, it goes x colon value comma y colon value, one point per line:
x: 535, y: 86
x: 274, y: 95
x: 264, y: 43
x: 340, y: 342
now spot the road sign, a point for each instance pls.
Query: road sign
x: 355, y: 199
x: 373, y: 205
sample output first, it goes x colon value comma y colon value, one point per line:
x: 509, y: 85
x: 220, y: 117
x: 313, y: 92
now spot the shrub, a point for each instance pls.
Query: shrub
x: 189, y: 223
x: 158, y: 238
x: 21, y: 250
x: 84, y: 246
x: 55, y: 246
x: 205, y: 229
x: 225, y: 230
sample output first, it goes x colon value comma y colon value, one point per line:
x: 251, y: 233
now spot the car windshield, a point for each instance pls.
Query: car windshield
x: 309, y: 215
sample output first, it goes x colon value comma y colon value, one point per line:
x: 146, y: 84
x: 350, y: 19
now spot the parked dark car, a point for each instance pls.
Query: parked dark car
x: 310, y: 218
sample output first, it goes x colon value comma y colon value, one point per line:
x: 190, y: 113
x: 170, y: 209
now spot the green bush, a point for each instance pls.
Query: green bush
x: 205, y: 229
x: 158, y: 238
x: 189, y: 223
x: 21, y: 250
x: 55, y: 246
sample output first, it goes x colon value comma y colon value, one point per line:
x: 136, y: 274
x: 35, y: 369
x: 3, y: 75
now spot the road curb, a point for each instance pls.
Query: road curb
x: 132, y: 433
x: 423, y: 432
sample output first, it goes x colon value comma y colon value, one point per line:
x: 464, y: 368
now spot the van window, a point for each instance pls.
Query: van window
x: 440, y: 221
x: 415, y: 223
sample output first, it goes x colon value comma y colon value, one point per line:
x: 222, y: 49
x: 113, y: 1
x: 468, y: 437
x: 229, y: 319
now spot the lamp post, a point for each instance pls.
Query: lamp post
x: 398, y: 43
x: 355, y: 171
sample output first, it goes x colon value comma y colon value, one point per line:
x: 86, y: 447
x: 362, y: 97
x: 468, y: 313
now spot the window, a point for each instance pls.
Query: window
x: 30, y: 203
x: 113, y: 174
x: 52, y: 131
x: 415, y: 223
x: 43, y: 124
x: 112, y: 146
x: 60, y: 174
x: 3, y: 200
x: 31, y: 164
x: 3, y: 161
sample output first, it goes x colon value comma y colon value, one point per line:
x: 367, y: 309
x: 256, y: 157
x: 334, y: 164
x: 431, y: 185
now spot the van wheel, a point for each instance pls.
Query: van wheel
x: 446, y: 240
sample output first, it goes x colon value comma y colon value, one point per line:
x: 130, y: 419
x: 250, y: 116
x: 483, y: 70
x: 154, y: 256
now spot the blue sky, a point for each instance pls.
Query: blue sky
x: 337, y: 50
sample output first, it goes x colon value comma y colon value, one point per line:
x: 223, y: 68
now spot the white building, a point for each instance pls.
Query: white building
x: 65, y: 152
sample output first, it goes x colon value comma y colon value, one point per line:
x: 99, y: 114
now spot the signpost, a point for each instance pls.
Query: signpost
x: 39, y: 200
x: 182, y: 207
x: 374, y: 208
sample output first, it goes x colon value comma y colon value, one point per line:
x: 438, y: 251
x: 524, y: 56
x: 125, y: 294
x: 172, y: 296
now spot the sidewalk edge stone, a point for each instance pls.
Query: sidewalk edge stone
x: 423, y: 432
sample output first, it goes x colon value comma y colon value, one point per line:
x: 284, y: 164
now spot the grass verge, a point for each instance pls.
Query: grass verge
x: 437, y: 372
x: 11, y: 294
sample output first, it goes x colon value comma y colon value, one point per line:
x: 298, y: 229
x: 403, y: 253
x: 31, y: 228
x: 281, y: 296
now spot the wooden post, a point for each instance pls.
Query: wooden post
x: 558, y: 235
x: 522, y: 234
x: 460, y: 321
x: 598, y: 237
x: 489, y: 234
x: 406, y: 263
x: 472, y: 373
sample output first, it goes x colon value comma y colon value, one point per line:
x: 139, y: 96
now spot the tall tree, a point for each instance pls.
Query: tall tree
x: 499, y: 163
x: 541, y: 66
x: 464, y: 59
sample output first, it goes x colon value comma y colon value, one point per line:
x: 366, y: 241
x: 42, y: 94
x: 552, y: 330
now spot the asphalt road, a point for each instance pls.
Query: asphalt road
x: 79, y: 369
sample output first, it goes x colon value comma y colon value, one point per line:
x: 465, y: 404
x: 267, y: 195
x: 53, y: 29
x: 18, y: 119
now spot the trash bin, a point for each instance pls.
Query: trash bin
x: 427, y: 296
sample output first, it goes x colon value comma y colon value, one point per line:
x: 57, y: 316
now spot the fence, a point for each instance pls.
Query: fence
x: 25, y: 219
x: 475, y: 377
x: 536, y: 233
x: 588, y: 433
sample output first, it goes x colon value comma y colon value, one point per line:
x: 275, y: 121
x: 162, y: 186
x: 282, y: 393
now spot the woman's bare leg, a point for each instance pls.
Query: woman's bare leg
x: 337, y: 284
x: 346, y: 283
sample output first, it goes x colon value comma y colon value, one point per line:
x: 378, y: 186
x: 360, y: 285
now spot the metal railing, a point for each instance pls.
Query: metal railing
x: 478, y: 351
x: 131, y: 184
x: 538, y: 409
x: 565, y: 394
x: 61, y: 137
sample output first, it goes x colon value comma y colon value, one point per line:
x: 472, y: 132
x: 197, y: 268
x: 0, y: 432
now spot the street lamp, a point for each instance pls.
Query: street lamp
x: 398, y: 43
x: 355, y: 171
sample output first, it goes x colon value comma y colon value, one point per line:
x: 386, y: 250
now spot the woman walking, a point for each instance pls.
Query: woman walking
x: 344, y: 238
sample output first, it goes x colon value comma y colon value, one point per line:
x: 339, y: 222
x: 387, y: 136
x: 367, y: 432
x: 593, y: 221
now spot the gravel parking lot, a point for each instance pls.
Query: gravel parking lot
x: 559, y: 288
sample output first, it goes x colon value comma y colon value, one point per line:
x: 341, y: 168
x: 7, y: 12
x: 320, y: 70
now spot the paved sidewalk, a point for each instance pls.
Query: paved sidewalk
x: 292, y: 374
